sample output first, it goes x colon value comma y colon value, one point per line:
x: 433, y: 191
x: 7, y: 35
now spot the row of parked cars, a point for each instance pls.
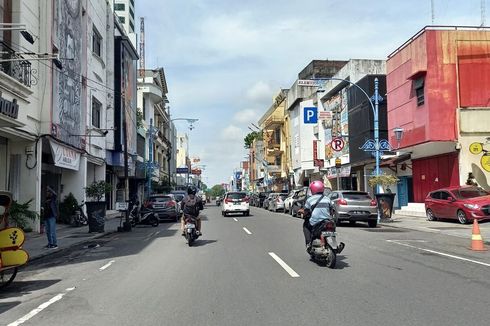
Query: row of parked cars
x: 167, y: 206
x: 348, y: 205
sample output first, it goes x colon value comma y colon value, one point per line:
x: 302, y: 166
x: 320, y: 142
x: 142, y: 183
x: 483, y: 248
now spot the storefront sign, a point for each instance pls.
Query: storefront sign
x: 485, y: 162
x: 476, y: 148
x: 9, y: 108
x: 64, y: 156
x: 344, y: 172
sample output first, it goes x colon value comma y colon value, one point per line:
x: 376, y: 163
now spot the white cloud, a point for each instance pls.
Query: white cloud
x: 260, y: 92
x: 246, y: 116
x: 232, y: 133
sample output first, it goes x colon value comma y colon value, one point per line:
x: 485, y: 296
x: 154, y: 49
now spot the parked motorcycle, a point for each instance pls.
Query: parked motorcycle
x: 324, y: 248
x: 80, y: 218
x: 190, y: 230
x: 140, y: 215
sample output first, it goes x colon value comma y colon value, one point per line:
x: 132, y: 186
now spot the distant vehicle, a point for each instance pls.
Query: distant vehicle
x: 464, y: 204
x: 299, y: 201
x: 165, y: 206
x: 277, y: 202
x: 266, y: 201
x: 236, y: 202
x: 219, y: 199
x: 288, y: 202
x: 262, y: 197
x: 354, y: 206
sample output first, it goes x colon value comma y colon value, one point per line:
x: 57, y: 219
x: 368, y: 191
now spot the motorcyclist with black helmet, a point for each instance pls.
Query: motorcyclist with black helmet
x: 190, y: 207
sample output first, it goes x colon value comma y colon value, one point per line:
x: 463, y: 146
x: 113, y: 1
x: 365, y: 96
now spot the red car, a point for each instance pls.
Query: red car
x: 464, y: 203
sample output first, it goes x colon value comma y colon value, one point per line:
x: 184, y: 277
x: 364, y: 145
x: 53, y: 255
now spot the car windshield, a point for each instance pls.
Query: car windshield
x: 178, y: 197
x: 237, y: 195
x: 465, y: 193
x: 356, y: 195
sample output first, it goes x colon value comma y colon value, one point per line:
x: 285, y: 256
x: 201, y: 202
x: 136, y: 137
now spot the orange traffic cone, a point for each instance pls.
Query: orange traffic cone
x: 476, y: 239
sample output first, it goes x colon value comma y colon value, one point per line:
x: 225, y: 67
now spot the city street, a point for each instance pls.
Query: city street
x: 254, y: 271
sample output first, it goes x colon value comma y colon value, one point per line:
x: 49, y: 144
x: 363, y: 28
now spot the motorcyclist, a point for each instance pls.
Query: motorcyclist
x: 317, y: 209
x: 190, y: 207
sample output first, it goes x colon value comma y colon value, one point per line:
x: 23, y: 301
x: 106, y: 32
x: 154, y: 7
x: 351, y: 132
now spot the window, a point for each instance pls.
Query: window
x: 132, y: 2
x: 277, y: 160
x: 131, y: 26
x: 444, y: 195
x: 144, y: 108
x: 119, y: 6
x: 122, y: 20
x: 131, y: 12
x: 277, y: 136
x: 418, y: 85
x: 96, y: 42
x: 96, y: 112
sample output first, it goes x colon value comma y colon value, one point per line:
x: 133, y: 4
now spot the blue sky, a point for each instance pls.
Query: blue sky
x: 225, y: 59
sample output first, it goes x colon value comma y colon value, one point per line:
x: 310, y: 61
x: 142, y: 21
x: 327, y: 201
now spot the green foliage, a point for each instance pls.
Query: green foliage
x: 139, y: 119
x: 249, y: 138
x: 217, y: 190
x: 384, y: 180
x: 21, y: 214
x: 68, y: 208
x: 98, y: 189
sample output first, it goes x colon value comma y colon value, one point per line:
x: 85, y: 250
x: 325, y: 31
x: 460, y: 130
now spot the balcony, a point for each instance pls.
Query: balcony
x: 20, y: 70
x: 164, y: 139
x: 273, y: 122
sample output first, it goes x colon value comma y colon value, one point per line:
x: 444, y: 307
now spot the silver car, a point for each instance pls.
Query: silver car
x: 354, y: 206
x: 276, y: 203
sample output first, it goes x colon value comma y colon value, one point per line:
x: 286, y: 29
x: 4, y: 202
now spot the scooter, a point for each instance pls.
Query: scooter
x: 323, y: 247
x: 80, y: 218
x: 143, y: 216
x: 190, y: 230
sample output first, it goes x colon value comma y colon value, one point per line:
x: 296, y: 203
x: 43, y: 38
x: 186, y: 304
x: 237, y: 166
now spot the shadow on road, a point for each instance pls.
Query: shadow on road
x: 200, y: 243
x: 6, y: 306
x: 25, y: 287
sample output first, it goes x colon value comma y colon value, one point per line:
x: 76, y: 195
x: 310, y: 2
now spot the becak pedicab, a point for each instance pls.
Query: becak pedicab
x: 12, y: 256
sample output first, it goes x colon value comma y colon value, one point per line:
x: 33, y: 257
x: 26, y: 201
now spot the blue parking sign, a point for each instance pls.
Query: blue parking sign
x: 311, y: 114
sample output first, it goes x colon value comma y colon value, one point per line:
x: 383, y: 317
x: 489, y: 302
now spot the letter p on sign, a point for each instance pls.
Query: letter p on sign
x: 311, y: 115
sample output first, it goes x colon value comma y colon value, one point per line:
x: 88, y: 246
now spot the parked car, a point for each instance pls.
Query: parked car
x: 254, y: 199
x: 265, y: 203
x: 299, y: 201
x: 262, y: 196
x: 165, y: 206
x: 179, y: 195
x: 354, y: 206
x: 277, y: 202
x: 465, y: 204
x: 288, y: 202
x: 235, y: 202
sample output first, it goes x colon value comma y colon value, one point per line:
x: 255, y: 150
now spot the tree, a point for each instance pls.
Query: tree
x: 249, y: 138
x: 217, y: 190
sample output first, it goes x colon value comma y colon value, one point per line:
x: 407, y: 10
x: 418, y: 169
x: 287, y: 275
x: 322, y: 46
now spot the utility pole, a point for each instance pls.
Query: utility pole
x: 142, y: 47
x: 150, y: 156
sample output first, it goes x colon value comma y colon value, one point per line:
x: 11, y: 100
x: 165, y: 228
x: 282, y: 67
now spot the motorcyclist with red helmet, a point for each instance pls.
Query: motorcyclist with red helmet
x: 317, y: 208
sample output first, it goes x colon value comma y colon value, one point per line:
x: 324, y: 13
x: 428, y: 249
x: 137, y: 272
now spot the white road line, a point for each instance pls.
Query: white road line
x: 234, y: 219
x: 284, y: 265
x: 246, y: 230
x: 40, y: 308
x: 440, y: 253
x: 107, y: 265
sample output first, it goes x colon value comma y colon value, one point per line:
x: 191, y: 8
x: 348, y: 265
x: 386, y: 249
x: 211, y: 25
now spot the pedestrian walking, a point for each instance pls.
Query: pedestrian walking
x: 50, y: 215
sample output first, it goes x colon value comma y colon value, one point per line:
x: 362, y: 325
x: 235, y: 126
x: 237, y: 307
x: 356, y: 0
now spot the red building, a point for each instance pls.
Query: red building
x: 437, y: 83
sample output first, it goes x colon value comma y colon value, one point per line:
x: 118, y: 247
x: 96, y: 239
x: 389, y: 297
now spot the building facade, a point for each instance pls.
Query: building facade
x: 438, y: 93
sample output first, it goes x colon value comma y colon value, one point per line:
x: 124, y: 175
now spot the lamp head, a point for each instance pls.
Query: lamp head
x: 398, y: 133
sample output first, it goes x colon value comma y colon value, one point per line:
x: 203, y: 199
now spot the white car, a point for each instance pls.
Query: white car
x: 288, y: 202
x: 235, y: 202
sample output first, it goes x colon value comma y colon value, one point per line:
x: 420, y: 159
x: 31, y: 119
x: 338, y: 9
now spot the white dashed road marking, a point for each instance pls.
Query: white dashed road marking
x: 246, y: 230
x: 284, y: 265
x: 107, y: 265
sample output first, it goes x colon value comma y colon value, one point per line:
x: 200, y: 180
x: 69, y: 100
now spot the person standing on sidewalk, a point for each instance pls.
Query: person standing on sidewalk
x: 50, y: 215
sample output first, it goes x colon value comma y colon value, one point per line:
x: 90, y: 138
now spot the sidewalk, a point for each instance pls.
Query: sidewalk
x: 447, y: 227
x: 67, y: 236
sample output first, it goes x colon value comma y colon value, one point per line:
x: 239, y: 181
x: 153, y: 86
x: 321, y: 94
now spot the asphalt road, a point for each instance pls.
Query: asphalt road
x: 385, y: 276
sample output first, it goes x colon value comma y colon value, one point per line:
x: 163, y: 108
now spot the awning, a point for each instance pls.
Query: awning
x: 393, y: 161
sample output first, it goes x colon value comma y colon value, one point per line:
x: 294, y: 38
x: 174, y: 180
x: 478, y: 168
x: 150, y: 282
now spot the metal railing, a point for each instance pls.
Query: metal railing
x: 20, y: 70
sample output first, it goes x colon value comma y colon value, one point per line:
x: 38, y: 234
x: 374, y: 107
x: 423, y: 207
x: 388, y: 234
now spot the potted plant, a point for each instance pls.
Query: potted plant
x: 384, y: 197
x: 68, y: 208
x: 21, y: 215
x: 96, y: 209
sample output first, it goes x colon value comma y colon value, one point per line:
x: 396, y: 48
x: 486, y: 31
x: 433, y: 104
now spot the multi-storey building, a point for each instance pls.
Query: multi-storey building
x: 124, y: 10
x: 438, y: 85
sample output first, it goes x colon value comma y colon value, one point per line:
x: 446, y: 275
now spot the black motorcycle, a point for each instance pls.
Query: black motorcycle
x: 323, y: 247
x: 80, y: 219
x: 140, y: 215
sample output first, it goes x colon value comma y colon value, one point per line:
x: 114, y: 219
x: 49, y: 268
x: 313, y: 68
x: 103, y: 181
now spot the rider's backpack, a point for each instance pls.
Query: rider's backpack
x: 190, y: 205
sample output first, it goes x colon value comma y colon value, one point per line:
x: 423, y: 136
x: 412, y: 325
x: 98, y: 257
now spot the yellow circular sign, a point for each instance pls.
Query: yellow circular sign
x: 476, y: 148
x: 485, y: 162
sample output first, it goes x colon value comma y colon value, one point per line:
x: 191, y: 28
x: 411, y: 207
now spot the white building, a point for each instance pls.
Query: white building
x: 124, y: 10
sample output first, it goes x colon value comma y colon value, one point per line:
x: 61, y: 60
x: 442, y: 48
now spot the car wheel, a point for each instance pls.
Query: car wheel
x: 372, y: 224
x: 430, y: 215
x: 462, y: 217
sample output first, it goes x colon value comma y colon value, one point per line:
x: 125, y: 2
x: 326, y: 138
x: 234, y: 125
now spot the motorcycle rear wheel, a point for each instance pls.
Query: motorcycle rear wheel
x: 189, y: 238
x: 331, y: 259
